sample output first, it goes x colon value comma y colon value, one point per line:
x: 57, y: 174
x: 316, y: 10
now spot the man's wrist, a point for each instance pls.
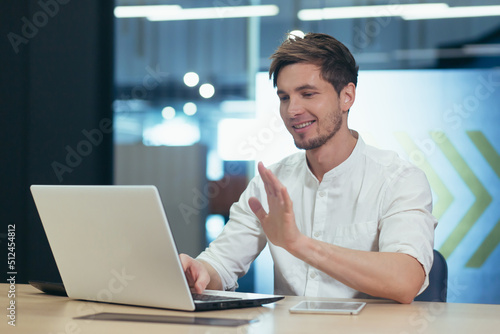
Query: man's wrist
x: 215, y: 281
x: 298, y: 246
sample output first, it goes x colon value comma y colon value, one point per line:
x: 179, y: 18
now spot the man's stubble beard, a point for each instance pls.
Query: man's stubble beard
x: 322, y: 139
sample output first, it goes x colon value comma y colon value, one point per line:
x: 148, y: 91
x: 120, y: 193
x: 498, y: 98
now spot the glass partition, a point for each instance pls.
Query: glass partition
x: 193, y: 73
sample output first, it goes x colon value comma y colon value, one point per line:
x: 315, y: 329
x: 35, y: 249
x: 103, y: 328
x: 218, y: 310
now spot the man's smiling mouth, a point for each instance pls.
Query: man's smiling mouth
x: 302, y: 125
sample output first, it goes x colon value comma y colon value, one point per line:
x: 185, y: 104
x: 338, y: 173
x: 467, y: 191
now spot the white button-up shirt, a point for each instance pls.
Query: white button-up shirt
x: 373, y: 201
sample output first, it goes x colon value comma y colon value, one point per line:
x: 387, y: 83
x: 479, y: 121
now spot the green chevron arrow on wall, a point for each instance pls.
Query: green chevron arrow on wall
x: 444, y: 196
x: 493, y: 238
x: 482, y: 201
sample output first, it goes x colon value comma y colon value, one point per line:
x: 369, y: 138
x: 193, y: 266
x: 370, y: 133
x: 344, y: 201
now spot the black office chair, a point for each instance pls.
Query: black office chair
x: 438, y: 281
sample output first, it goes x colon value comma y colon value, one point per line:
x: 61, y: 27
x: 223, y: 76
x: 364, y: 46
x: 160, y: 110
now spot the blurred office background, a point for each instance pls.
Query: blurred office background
x: 186, y: 88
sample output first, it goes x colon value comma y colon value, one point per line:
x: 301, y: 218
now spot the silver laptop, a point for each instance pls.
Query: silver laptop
x: 113, y: 244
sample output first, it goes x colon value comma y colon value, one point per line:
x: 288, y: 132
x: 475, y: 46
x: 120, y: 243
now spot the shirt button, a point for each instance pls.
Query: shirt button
x: 312, y: 275
x: 321, y: 194
x: 317, y: 234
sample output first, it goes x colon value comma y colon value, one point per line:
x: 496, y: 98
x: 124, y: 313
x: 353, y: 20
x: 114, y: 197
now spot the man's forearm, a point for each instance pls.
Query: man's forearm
x: 388, y: 275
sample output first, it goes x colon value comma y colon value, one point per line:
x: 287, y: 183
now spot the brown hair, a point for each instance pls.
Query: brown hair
x: 337, y: 64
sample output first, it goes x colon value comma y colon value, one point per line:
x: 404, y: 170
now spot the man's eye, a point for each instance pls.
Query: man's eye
x: 283, y: 98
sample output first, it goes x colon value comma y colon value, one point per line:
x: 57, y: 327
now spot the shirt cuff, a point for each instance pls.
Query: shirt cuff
x: 425, y: 264
x: 228, y: 284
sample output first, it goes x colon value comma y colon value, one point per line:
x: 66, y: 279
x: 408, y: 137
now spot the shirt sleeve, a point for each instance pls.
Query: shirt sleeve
x: 407, y: 225
x: 240, y: 242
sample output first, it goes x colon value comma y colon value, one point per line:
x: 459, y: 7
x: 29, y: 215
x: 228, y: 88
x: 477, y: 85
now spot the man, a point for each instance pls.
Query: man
x: 342, y: 219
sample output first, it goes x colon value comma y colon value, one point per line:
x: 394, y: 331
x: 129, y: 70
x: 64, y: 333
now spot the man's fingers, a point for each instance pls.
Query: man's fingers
x: 200, y: 286
x: 197, y: 277
x: 275, y: 185
x: 200, y: 283
x: 266, y: 176
x: 286, y: 200
x: 278, y: 187
x: 276, y: 192
x: 185, y: 261
x: 189, y: 268
x: 257, y: 208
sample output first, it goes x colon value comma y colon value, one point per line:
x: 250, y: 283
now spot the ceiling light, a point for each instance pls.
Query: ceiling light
x: 455, y: 12
x: 407, y: 12
x: 143, y: 11
x: 191, y: 79
x: 207, y: 90
x: 168, y: 113
x: 235, y: 106
x: 214, y: 13
x: 190, y: 108
x: 482, y: 49
x: 175, y: 132
x: 368, y: 11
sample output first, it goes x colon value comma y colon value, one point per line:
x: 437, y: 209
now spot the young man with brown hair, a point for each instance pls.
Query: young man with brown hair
x: 342, y: 219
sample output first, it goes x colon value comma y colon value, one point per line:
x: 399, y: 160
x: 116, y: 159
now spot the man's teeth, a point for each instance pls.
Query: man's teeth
x: 303, y: 125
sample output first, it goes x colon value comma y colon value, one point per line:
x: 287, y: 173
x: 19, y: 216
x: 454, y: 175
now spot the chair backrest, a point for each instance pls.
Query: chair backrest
x: 438, y: 281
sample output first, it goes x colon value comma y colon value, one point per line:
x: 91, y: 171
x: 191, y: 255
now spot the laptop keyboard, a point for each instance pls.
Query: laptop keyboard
x: 204, y: 298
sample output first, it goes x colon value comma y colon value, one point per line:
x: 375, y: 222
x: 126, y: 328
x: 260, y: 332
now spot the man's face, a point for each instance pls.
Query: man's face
x: 309, y: 105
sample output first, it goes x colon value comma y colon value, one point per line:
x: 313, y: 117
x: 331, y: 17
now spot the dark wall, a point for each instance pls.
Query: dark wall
x: 56, y: 84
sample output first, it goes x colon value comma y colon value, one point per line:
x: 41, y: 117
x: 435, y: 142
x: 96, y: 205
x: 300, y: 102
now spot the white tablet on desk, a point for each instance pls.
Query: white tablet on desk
x: 326, y: 307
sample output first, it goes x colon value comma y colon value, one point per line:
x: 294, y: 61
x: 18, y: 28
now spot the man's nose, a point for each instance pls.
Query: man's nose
x: 295, y: 107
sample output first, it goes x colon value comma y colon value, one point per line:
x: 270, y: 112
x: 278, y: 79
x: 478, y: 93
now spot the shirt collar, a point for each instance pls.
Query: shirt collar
x: 345, y: 166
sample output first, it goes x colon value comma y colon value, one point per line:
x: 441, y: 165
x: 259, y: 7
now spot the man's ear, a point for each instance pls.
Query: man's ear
x: 347, y: 96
